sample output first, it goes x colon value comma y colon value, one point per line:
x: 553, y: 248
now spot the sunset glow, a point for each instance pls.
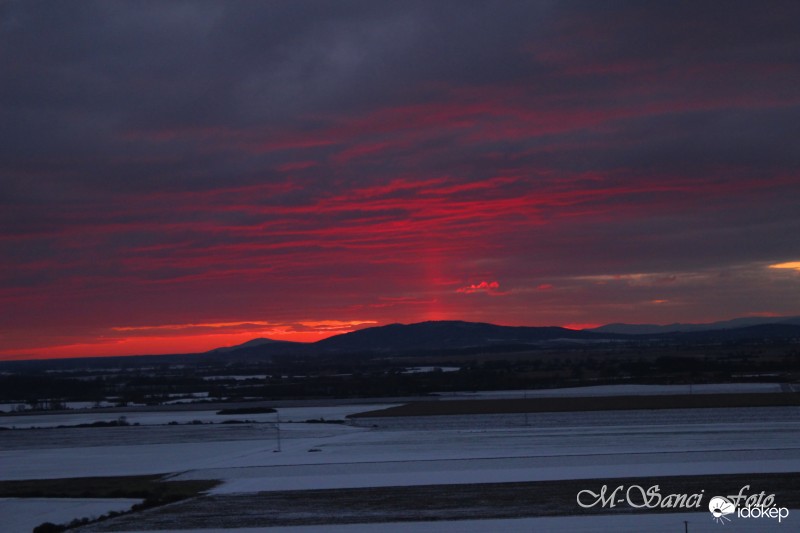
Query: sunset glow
x: 314, y: 169
x: 792, y: 265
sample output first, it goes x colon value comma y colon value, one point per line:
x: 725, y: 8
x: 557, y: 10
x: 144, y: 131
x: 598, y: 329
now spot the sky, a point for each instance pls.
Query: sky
x: 178, y: 176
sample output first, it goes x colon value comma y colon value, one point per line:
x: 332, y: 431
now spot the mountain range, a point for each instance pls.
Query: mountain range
x: 645, y: 329
x: 460, y: 336
x: 453, y: 338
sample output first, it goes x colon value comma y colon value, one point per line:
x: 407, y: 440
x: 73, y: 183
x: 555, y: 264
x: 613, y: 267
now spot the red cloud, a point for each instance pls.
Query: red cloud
x: 490, y: 287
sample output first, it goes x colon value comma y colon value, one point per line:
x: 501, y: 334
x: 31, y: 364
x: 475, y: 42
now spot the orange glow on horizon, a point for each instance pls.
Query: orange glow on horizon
x: 144, y: 346
x: 170, y: 344
x: 791, y: 265
x: 187, y: 326
x: 580, y: 326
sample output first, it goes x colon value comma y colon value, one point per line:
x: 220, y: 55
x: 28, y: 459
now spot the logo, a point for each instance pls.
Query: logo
x: 720, y: 508
x: 745, y: 505
x: 723, y: 509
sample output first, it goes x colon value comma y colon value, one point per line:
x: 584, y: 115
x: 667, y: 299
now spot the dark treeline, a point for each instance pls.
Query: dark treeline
x: 343, y: 376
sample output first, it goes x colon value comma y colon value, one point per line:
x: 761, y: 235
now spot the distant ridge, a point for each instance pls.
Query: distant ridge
x: 650, y: 329
x: 254, y: 343
x: 459, y: 337
x: 454, y: 335
x: 448, y: 334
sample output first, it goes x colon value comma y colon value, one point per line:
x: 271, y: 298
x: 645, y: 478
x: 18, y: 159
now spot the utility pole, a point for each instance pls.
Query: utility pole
x: 525, y: 397
x: 278, y: 430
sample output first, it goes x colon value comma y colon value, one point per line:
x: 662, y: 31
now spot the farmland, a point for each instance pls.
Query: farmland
x: 411, y: 469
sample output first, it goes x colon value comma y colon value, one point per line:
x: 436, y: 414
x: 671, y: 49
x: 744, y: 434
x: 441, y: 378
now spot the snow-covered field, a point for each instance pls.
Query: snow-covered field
x: 650, y: 523
x: 619, y: 390
x: 501, y: 448
x: 415, y: 451
x: 235, y: 377
x: 599, y: 390
x: 147, y: 418
x: 425, y: 369
x: 21, y: 515
x: 421, y: 450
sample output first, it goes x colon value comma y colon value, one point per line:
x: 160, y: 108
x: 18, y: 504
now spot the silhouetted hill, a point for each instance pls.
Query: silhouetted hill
x: 453, y: 336
x: 442, y: 337
x: 763, y: 332
x: 649, y: 329
x: 254, y: 343
x: 446, y: 335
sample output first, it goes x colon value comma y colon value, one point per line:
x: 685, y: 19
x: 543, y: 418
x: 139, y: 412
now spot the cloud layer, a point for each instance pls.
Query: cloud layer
x: 371, y: 162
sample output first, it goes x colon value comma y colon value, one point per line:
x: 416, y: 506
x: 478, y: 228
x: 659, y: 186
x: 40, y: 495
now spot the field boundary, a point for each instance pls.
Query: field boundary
x: 437, y: 502
x: 588, y: 403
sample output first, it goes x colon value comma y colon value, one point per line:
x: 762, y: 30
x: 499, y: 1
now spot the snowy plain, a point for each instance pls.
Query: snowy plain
x: 618, y: 390
x: 640, y: 523
x: 149, y: 418
x: 411, y: 451
x: 555, y: 446
x: 597, y: 390
x: 21, y: 515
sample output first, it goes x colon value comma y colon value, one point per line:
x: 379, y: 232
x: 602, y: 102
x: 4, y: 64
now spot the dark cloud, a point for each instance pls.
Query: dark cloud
x: 288, y: 162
